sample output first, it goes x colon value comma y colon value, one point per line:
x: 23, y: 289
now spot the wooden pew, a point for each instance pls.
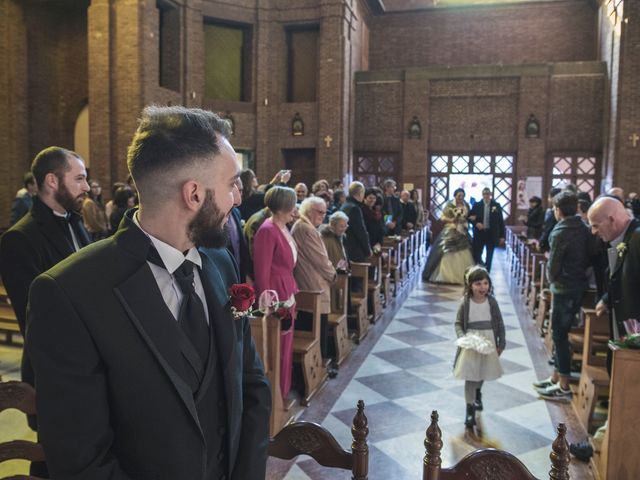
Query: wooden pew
x: 395, y: 259
x: 22, y: 397
x: 358, y: 313
x: 338, y: 318
x: 388, y: 292
x: 375, y: 288
x: 307, y: 438
x: 618, y: 459
x: 8, y: 321
x: 489, y: 463
x: 266, y: 334
x: 306, y: 346
x: 537, y: 279
x: 594, y: 379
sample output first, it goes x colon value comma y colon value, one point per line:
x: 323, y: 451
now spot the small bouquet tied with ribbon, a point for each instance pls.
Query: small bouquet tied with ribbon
x: 474, y: 341
x: 270, y: 304
x: 632, y: 338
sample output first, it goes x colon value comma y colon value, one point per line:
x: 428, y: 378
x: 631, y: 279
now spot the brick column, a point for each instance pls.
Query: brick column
x: 14, y: 154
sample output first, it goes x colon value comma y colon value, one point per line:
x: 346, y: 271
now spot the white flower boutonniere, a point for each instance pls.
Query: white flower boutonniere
x: 493, y: 209
x: 621, y: 248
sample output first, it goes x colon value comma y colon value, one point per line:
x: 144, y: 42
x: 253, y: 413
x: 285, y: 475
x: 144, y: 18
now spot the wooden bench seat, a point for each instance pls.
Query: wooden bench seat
x: 338, y: 318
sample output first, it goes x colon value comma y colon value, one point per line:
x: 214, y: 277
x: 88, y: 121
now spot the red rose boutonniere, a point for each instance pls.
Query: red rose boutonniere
x: 242, y: 297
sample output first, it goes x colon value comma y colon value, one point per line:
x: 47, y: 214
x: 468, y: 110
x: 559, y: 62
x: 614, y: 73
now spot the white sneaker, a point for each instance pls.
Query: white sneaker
x: 556, y: 393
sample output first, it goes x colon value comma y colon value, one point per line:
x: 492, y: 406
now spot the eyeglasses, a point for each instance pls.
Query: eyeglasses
x: 320, y: 212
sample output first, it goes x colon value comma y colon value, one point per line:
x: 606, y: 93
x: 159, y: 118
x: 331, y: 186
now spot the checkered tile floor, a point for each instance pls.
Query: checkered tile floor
x: 409, y: 373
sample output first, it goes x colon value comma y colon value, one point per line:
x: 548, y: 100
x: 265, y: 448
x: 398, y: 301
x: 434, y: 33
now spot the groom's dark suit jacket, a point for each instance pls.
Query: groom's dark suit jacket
x: 496, y: 221
x: 623, y: 293
x: 115, y: 397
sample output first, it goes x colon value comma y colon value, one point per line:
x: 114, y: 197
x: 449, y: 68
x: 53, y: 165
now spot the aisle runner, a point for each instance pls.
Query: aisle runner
x: 408, y: 374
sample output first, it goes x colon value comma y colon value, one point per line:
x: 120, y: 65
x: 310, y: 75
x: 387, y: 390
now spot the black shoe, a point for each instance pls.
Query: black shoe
x: 582, y: 451
x: 477, y: 405
x: 470, y: 418
x: 332, y: 372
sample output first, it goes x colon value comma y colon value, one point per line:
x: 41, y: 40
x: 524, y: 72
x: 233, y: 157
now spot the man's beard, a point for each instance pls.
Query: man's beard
x: 66, y: 200
x: 207, y: 227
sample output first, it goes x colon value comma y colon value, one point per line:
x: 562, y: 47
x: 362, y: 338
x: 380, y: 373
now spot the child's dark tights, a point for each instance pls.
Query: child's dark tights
x: 470, y: 390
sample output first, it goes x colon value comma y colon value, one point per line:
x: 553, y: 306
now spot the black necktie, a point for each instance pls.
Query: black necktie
x: 191, y: 317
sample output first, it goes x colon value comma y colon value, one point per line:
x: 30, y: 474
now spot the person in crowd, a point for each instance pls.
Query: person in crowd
x: 93, y: 213
x: 274, y: 260
x: 333, y: 238
x: 549, y: 221
x: 302, y: 192
x: 337, y: 184
x: 320, y: 186
x: 409, y: 212
x: 50, y: 232
x: 633, y: 204
x: 357, y: 243
x: 314, y: 270
x: 488, y: 227
x: 339, y: 197
x: 535, y: 218
x: 373, y: 216
x: 171, y: 385
x: 415, y: 199
x: 327, y: 200
x: 252, y: 226
x: 568, y: 262
x: 481, y: 339
x: 238, y: 247
x: 450, y: 255
x: 611, y: 222
x: 123, y: 200
x: 24, y: 198
x: 616, y: 192
x: 110, y: 205
x: 252, y: 200
x: 391, y: 208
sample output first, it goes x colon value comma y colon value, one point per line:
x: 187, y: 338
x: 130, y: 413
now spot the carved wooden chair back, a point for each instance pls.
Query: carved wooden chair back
x: 308, y: 438
x: 489, y: 462
x: 21, y: 396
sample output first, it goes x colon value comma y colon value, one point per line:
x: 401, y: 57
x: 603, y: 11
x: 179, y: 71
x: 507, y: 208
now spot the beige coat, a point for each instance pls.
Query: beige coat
x: 313, y: 270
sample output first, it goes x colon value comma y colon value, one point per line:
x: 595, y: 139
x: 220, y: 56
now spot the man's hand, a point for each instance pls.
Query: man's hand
x: 286, y: 176
x: 501, y: 242
x: 479, y: 226
x: 601, y: 308
x: 391, y: 225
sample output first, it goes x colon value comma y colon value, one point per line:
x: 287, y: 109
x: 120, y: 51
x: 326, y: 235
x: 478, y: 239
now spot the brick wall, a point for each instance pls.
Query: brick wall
x: 530, y: 33
x: 627, y: 159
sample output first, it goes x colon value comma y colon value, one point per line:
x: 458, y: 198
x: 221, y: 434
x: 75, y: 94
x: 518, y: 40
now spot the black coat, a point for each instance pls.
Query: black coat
x: 496, y: 221
x: 534, y: 221
x: 391, y: 206
x: 547, y: 226
x: 623, y: 296
x: 114, y: 401
x: 569, y: 257
x: 33, y: 245
x: 246, y: 264
x: 356, y: 242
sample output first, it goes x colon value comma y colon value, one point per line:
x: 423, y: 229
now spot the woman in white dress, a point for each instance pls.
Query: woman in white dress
x: 451, y: 253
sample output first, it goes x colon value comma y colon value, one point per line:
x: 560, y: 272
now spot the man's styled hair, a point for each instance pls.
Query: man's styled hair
x: 51, y: 160
x: 389, y: 182
x: 486, y: 190
x: 355, y: 188
x: 169, y: 139
x: 280, y: 199
x: 567, y: 202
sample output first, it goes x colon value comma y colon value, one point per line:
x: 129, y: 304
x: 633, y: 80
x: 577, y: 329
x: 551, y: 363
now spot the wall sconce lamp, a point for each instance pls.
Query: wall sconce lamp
x: 415, y: 129
x: 297, y: 125
x: 532, y: 129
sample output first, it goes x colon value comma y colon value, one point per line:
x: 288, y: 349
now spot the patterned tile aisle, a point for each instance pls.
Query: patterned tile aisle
x: 408, y: 374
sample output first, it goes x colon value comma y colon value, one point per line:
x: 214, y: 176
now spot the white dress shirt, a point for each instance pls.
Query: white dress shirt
x: 172, y: 259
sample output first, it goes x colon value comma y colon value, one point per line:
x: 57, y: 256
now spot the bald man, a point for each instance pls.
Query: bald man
x: 611, y: 222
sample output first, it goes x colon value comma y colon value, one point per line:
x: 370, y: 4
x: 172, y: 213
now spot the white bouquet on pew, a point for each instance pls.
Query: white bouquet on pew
x: 474, y: 341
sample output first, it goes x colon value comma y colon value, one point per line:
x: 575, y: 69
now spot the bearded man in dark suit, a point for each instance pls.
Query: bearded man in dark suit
x: 612, y: 223
x: 142, y: 370
x: 488, y: 227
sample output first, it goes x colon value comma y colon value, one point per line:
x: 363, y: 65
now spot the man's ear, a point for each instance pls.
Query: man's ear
x: 192, y: 195
x: 51, y: 181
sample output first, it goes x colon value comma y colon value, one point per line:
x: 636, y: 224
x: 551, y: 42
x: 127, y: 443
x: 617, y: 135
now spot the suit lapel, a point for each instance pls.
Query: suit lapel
x: 627, y: 236
x: 51, y: 230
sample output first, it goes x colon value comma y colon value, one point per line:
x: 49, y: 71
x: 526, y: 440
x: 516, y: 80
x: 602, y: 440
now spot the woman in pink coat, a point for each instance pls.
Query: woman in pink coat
x: 274, y: 259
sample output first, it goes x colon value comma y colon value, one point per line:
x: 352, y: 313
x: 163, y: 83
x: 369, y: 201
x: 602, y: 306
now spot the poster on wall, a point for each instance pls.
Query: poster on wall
x: 528, y: 187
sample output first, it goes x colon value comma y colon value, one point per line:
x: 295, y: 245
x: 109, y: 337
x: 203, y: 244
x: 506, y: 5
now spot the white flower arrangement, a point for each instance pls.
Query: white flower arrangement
x: 473, y: 341
x: 493, y: 209
x: 621, y: 248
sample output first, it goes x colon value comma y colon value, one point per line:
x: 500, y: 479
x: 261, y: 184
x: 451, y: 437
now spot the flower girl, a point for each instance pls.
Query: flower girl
x: 480, y: 342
